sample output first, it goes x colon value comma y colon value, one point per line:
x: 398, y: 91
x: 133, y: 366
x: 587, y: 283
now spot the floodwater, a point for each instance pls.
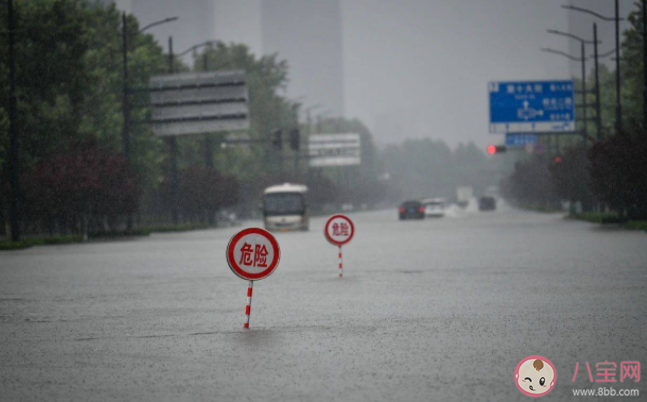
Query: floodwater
x: 441, y: 309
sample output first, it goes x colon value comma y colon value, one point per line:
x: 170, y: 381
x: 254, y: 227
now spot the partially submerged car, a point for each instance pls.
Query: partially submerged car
x: 434, y: 207
x: 411, y: 210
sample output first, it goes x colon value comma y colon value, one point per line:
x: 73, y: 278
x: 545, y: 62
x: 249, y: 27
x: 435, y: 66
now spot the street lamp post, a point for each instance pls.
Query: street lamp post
x: 598, y: 113
x: 126, y: 96
x: 597, y: 83
x: 175, y: 184
x: 617, y: 20
x: 585, y: 131
x: 320, y: 117
x: 126, y: 99
x: 618, y: 84
x: 208, y: 143
x: 14, y: 138
x: 580, y: 59
x: 644, y: 65
x: 198, y: 46
x: 309, y: 117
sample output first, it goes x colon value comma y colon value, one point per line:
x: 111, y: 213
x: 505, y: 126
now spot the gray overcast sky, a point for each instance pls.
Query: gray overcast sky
x: 419, y: 68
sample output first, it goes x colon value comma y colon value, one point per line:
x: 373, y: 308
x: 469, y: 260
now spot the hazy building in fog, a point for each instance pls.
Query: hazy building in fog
x: 239, y: 21
x: 308, y: 34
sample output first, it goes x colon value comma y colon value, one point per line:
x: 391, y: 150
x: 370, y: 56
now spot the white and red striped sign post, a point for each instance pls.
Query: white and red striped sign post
x: 339, y: 230
x: 252, y: 254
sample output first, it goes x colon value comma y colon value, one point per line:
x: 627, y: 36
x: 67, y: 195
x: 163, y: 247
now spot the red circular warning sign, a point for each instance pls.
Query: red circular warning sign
x: 339, y: 230
x: 253, y: 254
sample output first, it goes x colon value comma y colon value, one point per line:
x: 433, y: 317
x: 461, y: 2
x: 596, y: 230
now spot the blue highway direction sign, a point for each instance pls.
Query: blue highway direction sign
x: 531, y: 106
x: 520, y: 140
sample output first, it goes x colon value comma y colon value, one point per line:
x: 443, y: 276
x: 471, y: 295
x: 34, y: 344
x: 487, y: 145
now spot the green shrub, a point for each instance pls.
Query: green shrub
x: 636, y: 225
x: 40, y: 241
x: 122, y: 233
x: 600, y: 217
x: 183, y: 227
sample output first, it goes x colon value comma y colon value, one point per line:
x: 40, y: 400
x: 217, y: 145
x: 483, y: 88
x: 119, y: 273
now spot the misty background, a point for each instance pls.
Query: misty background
x: 408, y: 69
x: 410, y: 78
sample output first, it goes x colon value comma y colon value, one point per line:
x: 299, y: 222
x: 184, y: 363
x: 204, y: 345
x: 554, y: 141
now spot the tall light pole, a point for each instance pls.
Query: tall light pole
x: 14, y: 138
x: 126, y: 98
x: 309, y: 117
x: 583, y: 61
x: 126, y: 101
x: 618, y: 86
x: 597, y: 83
x: 194, y: 47
x: 320, y: 117
x: 208, y: 144
x: 617, y: 20
x: 125, y: 107
x: 644, y: 64
x: 175, y: 182
x: 598, y: 112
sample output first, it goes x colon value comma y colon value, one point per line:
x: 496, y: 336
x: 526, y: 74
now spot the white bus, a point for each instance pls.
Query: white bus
x: 285, y: 207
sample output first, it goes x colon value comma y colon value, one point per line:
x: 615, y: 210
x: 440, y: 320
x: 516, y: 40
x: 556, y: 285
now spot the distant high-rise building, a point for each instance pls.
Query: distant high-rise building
x: 199, y: 21
x: 239, y: 22
x: 308, y: 34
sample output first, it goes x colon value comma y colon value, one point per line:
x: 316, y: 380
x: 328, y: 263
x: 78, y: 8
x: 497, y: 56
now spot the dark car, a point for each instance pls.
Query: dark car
x: 412, y: 210
x: 487, y: 204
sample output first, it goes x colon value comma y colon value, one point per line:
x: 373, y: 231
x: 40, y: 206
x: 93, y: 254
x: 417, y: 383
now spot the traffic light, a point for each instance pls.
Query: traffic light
x: 277, y: 140
x: 557, y: 159
x: 295, y: 139
x: 496, y: 149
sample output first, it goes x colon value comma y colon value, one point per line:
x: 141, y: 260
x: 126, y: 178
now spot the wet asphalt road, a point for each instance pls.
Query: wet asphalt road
x: 439, y: 309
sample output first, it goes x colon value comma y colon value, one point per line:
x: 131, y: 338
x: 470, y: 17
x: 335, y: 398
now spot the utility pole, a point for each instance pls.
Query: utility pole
x: 584, y: 130
x: 644, y: 2
x: 308, y: 121
x: 175, y: 186
x: 126, y: 101
x: 618, y: 104
x: 582, y: 59
x: 598, y: 114
x: 126, y: 104
x: 208, y: 143
x: 14, y: 138
x: 295, y: 140
x: 618, y: 123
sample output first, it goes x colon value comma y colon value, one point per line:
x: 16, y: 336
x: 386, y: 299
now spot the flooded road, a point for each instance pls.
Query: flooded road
x: 440, y: 309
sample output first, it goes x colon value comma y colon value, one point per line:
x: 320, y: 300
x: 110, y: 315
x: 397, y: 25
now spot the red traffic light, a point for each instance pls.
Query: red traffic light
x: 557, y: 159
x: 496, y: 149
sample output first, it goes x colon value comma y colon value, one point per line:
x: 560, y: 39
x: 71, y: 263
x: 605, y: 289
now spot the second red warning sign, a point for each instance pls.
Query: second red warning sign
x: 253, y: 254
x: 339, y: 230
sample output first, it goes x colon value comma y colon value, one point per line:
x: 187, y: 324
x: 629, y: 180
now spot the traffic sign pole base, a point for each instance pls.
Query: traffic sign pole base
x: 341, y: 267
x: 248, y: 308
